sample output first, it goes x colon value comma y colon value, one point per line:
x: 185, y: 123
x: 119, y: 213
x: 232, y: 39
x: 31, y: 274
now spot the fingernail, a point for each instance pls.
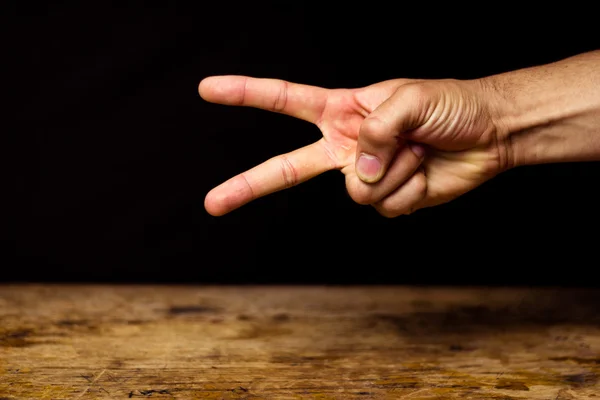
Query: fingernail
x: 417, y: 149
x: 368, y: 167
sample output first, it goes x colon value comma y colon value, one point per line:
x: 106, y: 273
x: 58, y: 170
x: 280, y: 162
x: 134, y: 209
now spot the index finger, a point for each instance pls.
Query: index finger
x: 300, y: 101
x: 278, y: 173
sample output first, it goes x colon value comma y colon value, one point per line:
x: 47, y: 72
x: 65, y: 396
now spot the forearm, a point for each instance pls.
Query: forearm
x: 551, y: 112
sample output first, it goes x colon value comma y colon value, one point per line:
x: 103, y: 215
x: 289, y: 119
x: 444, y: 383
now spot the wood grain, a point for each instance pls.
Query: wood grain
x: 118, y: 342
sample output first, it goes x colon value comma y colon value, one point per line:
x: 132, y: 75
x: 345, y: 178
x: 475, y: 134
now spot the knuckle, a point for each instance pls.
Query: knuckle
x: 392, y: 207
x: 420, y: 95
x: 376, y: 130
x: 386, y: 212
x: 409, y: 201
x: 389, y: 214
x: 410, y: 210
x: 288, y: 172
x: 416, y: 91
x: 360, y: 194
x: 420, y: 186
x: 281, y: 98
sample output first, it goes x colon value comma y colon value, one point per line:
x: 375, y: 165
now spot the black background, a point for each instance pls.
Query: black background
x: 115, y: 150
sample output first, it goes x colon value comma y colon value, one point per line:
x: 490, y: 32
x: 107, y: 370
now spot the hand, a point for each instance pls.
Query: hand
x: 435, y: 140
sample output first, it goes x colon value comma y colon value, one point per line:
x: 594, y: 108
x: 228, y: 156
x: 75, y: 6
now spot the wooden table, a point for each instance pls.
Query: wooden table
x: 117, y: 342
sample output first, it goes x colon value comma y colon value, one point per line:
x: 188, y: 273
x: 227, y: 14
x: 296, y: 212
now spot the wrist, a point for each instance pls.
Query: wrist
x: 549, y: 113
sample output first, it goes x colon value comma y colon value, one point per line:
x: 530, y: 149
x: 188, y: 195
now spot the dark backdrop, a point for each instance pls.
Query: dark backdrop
x: 115, y: 150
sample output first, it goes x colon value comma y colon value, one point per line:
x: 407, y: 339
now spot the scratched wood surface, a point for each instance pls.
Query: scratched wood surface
x: 116, y: 342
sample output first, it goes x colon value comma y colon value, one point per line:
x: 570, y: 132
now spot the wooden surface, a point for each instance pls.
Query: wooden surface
x: 86, y: 342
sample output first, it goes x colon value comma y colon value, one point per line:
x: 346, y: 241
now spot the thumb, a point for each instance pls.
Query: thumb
x: 380, y: 135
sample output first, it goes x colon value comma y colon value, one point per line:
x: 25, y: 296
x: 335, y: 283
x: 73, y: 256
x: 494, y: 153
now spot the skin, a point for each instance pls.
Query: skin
x: 425, y: 142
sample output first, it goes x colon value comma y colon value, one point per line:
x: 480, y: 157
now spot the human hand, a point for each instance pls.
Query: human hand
x: 435, y: 139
